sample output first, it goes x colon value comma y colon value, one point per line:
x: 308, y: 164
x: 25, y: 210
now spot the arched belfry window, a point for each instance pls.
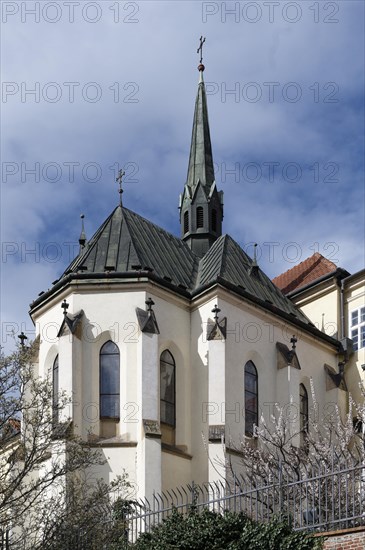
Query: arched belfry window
x: 186, y: 222
x: 304, y: 415
x: 214, y: 220
x: 199, y: 217
x: 251, y: 398
x: 55, y: 391
x: 109, y: 381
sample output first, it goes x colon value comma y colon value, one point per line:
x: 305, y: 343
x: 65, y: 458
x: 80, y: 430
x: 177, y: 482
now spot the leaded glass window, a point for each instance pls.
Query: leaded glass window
x: 109, y: 381
x: 303, y: 408
x: 55, y: 391
x: 251, y: 398
x: 167, y: 389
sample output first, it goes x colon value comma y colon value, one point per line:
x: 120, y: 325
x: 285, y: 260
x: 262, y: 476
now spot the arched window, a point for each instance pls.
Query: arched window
x: 214, y: 220
x: 251, y: 398
x: 167, y: 388
x: 186, y: 222
x: 55, y: 391
x: 304, y: 417
x: 109, y: 381
x: 199, y: 217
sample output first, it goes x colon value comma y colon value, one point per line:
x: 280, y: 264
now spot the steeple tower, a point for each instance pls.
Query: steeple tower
x: 201, y: 205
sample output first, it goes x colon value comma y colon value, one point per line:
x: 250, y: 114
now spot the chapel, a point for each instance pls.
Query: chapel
x: 173, y: 348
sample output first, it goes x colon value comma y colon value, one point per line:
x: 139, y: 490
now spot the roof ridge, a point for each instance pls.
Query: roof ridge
x: 159, y: 228
x: 302, y: 274
x: 293, y: 277
x: 82, y: 256
x: 223, y: 262
x: 237, y: 245
x: 298, y: 265
x: 130, y: 233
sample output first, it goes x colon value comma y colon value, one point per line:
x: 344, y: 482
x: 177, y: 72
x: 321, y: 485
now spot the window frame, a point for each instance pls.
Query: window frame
x: 55, y: 390
x: 172, y: 403
x: 186, y: 222
x: 303, y: 409
x: 251, y: 411
x: 199, y: 217
x: 357, y: 327
x: 116, y: 394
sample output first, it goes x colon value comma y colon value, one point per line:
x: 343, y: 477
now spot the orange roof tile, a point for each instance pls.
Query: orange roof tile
x: 304, y: 273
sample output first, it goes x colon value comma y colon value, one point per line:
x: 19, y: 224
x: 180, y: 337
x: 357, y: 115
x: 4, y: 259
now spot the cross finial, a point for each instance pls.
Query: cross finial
x: 200, y: 49
x: 216, y: 310
x: 293, y: 341
x: 119, y: 180
x: 22, y: 337
x: 149, y: 303
x: 64, y: 306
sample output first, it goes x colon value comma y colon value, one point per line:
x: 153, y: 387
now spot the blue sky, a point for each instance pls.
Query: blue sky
x: 115, y: 85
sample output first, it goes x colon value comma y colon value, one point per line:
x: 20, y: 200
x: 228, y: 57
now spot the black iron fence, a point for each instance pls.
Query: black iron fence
x: 322, y: 500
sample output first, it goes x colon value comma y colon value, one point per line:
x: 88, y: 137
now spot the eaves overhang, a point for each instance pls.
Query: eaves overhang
x: 339, y: 274
x: 238, y: 291
x: 357, y: 275
x: 114, y: 278
x: 107, y: 279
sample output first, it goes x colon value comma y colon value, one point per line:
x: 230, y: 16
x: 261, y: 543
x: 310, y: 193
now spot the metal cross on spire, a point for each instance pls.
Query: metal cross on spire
x: 200, y: 49
x: 119, y: 180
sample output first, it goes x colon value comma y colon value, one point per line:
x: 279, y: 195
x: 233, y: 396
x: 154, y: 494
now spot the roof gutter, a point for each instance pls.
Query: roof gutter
x: 106, y: 277
x: 342, y: 300
x: 113, y: 278
x: 339, y: 272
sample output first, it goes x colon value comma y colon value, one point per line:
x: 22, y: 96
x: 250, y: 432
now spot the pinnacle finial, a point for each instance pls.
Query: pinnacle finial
x: 119, y: 180
x: 255, y: 254
x: 82, y: 238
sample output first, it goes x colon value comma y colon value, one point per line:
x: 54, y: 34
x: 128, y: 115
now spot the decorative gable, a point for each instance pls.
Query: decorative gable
x: 286, y: 357
x: 72, y: 322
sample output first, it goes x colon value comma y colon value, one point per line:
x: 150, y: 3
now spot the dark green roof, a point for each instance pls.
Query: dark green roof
x: 227, y: 262
x: 126, y: 244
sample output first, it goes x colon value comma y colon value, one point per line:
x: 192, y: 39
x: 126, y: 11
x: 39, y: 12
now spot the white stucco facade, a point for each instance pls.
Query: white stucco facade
x: 209, y: 386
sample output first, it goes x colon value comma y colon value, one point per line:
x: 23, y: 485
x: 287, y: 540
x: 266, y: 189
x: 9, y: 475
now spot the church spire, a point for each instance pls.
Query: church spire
x: 201, y: 205
x: 201, y: 158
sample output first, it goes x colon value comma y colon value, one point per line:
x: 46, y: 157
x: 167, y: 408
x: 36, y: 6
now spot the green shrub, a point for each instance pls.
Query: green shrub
x: 207, y: 530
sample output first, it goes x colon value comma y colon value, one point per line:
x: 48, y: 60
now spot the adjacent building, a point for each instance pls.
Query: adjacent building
x: 335, y: 301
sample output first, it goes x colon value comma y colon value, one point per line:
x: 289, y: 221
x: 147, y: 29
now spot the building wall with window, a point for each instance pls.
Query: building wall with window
x: 321, y: 302
x: 355, y: 327
x: 190, y: 388
x: 252, y: 337
x: 88, y: 376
